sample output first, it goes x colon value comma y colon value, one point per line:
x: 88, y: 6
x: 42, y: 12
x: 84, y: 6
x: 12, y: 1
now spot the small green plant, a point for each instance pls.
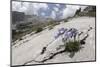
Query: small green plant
x: 50, y: 27
x: 39, y: 29
x: 66, y: 20
x: 72, y: 46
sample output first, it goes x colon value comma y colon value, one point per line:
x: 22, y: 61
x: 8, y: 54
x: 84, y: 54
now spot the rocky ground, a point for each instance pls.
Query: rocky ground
x: 27, y: 51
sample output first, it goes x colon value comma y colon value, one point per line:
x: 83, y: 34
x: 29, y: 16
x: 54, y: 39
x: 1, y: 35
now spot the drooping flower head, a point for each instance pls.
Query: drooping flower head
x: 72, y: 32
x: 60, y: 31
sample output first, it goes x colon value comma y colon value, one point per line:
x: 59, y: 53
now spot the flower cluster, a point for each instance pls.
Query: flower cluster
x: 67, y: 33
